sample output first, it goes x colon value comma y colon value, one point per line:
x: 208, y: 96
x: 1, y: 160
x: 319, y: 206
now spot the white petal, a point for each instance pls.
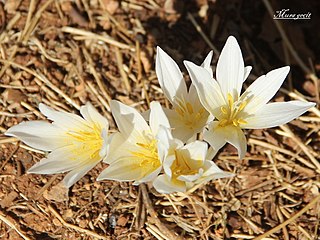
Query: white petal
x: 197, y: 150
x: 207, y: 63
x: 76, y: 174
x: 148, y: 178
x: 230, y: 68
x: 106, y: 143
x: 164, y: 138
x: 129, y: 120
x: 231, y: 134
x: 59, y: 161
x: 278, y: 113
x: 119, y: 147
x: 167, y: 163
x: 191, y: 178
x: 193, y: 95
x: 126, y: 169
x: 211, y: 153
x: 91, y: 114
x: 208, y: 89
x: 213, y: 172
x: 179, y: 130
x: 264, y: 88
x: 63, y: 119
x: 157, y: 117
x: 214, y: 139
x: 163, y: 184
x: 38, y: 134
x: 169, y: 76
x: 247, y: 71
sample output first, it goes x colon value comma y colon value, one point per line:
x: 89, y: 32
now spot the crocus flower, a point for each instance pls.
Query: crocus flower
x: 188, y: 117
x: 234, y: 112
x: 185, y: 165
x: 75, y: 144
x: 134, y: 152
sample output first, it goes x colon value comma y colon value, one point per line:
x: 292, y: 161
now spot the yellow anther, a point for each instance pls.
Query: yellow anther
x: 179, y: 111
x: 235, y: 123
x: 223, y: 122
x: 231, y: 114
x: 201, y: 111
x: 242, y: 106
x: 230, y: 100
x: 142, y: 145
x: 241, y: 121
x: 224, y: 110
x: 189, y: 107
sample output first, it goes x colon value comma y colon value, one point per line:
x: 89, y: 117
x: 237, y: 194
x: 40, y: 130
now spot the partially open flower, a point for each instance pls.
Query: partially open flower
x: 185, y: 165
x: 134, y: 152
x: 187, y: 116
x: 234, y: 111
x: 76, y: 144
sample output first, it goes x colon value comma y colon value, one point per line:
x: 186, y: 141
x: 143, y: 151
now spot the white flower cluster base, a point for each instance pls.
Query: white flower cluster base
x: 163, y: 148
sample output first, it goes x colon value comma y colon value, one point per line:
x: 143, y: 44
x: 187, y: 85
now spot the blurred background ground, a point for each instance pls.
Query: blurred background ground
x: 65, y: 53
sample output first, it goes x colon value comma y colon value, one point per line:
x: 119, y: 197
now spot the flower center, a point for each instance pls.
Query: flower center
x: 148, y: 156
x: 87, y: 144
x: 231, y: 114
x: 181, y: 166
x: 187, y: 114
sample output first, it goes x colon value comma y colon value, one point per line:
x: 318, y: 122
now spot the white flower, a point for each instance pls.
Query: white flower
x: 134, y: 153
x: 76, y: 144
x: 185, y: 166
x: 188, y: 117
x: 233, y: 111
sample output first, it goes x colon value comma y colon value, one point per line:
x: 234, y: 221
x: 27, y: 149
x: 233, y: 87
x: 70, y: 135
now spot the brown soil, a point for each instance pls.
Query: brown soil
x: 65, y: 53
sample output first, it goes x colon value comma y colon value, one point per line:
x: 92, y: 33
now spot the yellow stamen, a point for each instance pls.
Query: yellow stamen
x: 181, y: 166
x: 87, y: 144
x: 190, y: 116
x: 147, y: 156
x: 189, y: 107
x: 231, y: 113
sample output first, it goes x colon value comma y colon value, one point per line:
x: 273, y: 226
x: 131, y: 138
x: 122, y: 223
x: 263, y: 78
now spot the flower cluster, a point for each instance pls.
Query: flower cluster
x: 164, y: 146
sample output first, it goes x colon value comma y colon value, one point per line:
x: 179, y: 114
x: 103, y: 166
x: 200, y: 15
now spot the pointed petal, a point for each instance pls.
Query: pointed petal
x: 164, y: 138
x: 247, y: 71
x: 230, y: 68
x: 118, y: 148
x: 211, y: 153
x: 179, y: 130
x: 148, y: 178
x: 193, y: 95
x: 214, y: 139
x: 91, y: 114
x: 264, y: 88
x: 63, y: 119
x: 190, y: 178
x: 126, y: 169
x: 163, y: 184
x: 38, y: 134
x: 169, y: 76
x: 278, y: 113
x: 197, y: 150
x: 231, y: 134
x: 213, y: 172
x: 106, y: 143
x: 208, y: 89
x: 76, y: 174
x: 157, y: 117
x: 59, y: 161
x: 129, y: 120
x: 207, y: 63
